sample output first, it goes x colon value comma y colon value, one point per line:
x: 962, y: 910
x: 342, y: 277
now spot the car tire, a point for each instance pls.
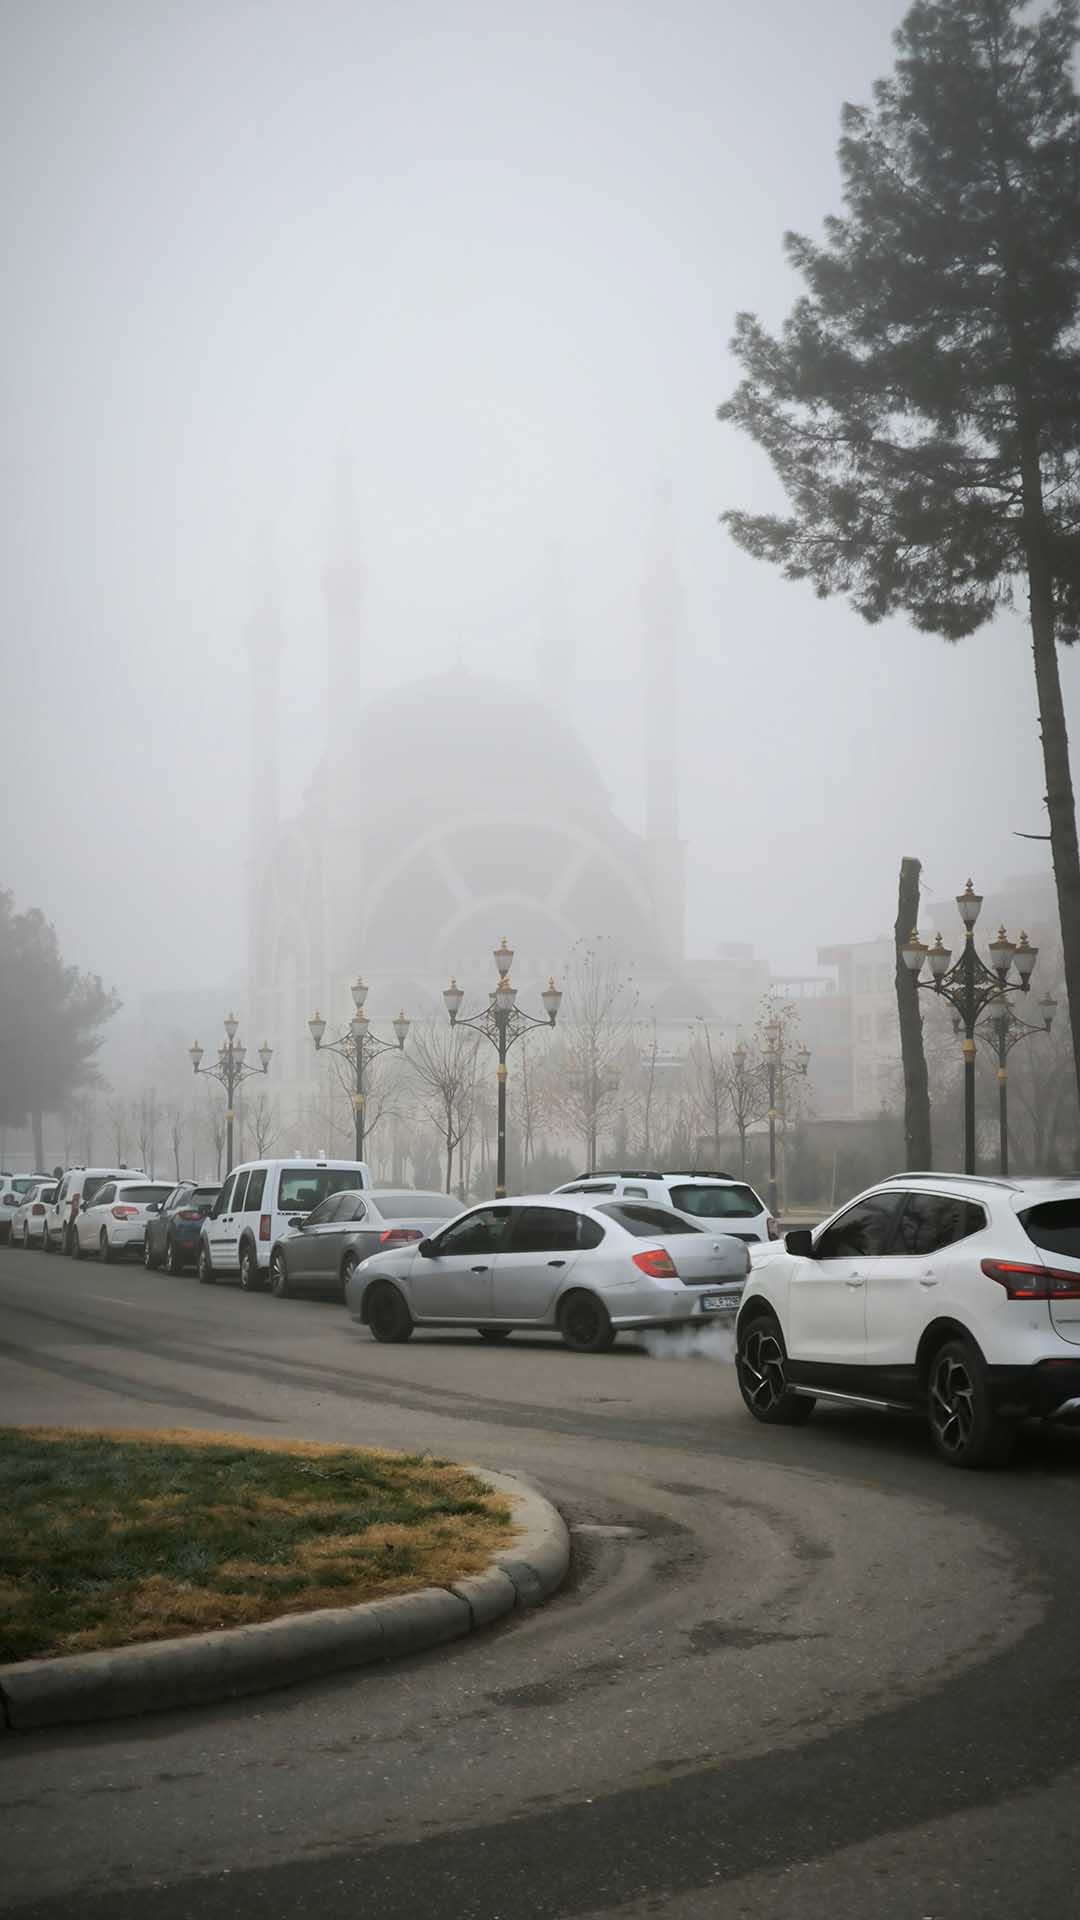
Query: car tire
x: 251, y: 1279
x: 494, y: 1333
x: 26, y: 1237
x: 68, y: 1238
x: 963, y: 1425
x: 148, y: 1259
x: 173, y: 1266
x: 760, y: 1362
x: 388, y: 1317
x: 74, y: 1247
x: 104, y: 1248
x: 348, y: 1268
x: 585, y: 1324
x: 207, y: 1276
x: 279, y: 1277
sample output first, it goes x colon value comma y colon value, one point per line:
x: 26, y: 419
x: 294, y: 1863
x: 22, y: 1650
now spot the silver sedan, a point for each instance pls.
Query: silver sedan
x: 545, y: 1261
x: 324, y: 1249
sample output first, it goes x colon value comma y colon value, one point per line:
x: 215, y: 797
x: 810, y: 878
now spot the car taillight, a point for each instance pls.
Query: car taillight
x: 657, y: 1263
x: 264, y: 1226
x: 774, y: 1229
x: 188, y: 1213
x: 74, y: 1207
x: 37, y: 1209
x: 1023, y: 1282
x: 124, y: 1213
x: 399, y: 1236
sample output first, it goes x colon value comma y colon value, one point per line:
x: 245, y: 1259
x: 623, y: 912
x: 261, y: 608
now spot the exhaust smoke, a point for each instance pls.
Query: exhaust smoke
x: 716, y: 1343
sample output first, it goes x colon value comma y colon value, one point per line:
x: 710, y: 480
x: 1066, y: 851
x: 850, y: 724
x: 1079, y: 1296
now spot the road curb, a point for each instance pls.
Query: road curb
x: 202, y: 1668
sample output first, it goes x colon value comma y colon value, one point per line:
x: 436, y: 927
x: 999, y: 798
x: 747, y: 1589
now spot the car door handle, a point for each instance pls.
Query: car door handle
x: 478, y: 1269
x: 854, y: 1280
x: 556, y: 1263
x: 928, y: 1279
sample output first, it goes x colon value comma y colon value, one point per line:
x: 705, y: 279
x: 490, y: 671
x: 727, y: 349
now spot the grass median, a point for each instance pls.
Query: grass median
x: 107, y: 1538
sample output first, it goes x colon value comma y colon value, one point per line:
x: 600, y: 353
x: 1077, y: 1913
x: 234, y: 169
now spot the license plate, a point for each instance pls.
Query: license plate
x: 719, y: 1303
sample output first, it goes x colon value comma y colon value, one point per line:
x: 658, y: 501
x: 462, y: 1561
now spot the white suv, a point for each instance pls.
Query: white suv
x: 950, y: 1293
x: 256, y: 1205
x: 113, y: 1221
x: 714, y: 1201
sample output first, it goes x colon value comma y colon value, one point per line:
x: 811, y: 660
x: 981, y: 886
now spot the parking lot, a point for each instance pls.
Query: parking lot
x: 787, y: 1663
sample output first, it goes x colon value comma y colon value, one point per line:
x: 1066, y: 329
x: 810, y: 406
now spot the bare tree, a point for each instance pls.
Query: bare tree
x: 214, y: 1129
x: 589, y: 1068
x: 116, y: 1115
x: 147, y: 1117
x: 176, y: 1127
x: 443, y: 1063
x: 264, y: 1121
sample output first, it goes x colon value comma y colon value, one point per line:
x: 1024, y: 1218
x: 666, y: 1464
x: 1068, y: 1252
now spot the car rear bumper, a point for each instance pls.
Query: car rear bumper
x: 684, y: 1309
x: 1044, y: 1389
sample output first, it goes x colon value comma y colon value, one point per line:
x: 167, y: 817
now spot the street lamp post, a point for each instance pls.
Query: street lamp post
x: 970, y: 987
x: 502, y: 1022
x: 1008, y: 1032
x: 229, y: 1071
x: 359, y: 1047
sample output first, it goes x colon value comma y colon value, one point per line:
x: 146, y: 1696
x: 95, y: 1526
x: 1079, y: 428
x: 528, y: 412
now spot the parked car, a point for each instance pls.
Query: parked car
x: 28, y: 1221
x: 255, y: 1207
x: 113, y: 1221
x: 715, y: 1200
x: 952, y: 1294
x: 554, y: 1262
x: 76, y: 1185
x: 13, y: 1189
x: 172, y: 1232
x: 325, y: 1249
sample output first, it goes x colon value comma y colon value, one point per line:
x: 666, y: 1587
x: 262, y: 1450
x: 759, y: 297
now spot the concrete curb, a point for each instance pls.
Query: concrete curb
x: 205, y: 1667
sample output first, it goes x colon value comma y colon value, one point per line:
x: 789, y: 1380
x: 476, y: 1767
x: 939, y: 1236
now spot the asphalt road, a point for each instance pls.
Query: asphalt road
x: 808, y: 1673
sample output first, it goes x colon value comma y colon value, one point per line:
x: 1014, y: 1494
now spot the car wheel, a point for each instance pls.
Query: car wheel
x: 388, y: 1316
x: 104, y: 1249
x: 251, y: 1279
x: 965, y: 1429
x: 74, y: 1246
x: 148, y: 1259
x: 585, y: 1324
x: 494, y: 1333
x: 348, y: 1268
x: 173, y: 1265
x: 207, y: 1276
x: 26, y: 1237
x: 279, y: 1278
x: 68, y: 1238
x: 760, y: 1365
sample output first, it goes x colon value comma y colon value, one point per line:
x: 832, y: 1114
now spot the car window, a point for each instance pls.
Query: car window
x: 239, y: 1204
x: 142, y: 1195
x: 481, y: 1232
x: 1054, y: 1225
x: 590, y: 1232
x: 226, y: 1195
x: 415, y: 1206
x: 93, y: 1185
x: 353, y: 1208
x: 329, y: 1211
x: 864, y: 1229
x: 636, y: 1193
x: 593, y: 1186
x: 256, y: 1184
x: 645, y: 1222
x: 102, y: 1196
x: 544, y: 1230
x: 930, y: 1221
x: 716, y: 1203
x: 205, y: 1198
x: 302, y: 1188
x: 173, y: 1200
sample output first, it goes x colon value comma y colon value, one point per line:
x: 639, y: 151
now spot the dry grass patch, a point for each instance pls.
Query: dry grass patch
x: 112, y: 1537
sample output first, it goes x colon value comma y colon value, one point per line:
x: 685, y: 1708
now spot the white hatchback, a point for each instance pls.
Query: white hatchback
x: 28, y: 1221
x: 714, y: 1201
x: 948, y: 1293
x: 113, y: 1222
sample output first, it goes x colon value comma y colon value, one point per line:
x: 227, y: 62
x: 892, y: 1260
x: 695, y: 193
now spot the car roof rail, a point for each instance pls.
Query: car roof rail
x: 976, y: 1179
x: 620, y: 1173
x: 697, y: 1173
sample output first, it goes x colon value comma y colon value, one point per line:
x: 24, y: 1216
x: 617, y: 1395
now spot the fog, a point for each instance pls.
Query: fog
x: 492, y: 256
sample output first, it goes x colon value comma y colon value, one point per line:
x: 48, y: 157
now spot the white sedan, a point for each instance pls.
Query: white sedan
x: 28, y: 1220
x: 114, y: 1223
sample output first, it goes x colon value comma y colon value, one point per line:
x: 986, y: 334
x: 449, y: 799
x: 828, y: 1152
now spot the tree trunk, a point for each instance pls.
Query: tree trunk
x: 917, y: 1138
x: 1060, y: 803
x: 39, y: 1142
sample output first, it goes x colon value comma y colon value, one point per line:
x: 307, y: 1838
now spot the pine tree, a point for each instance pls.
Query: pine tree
x: 922, y: 404
x: 51, y: 1020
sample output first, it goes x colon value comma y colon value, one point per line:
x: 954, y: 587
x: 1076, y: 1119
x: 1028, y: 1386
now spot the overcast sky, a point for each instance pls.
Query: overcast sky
x: 495, y: 252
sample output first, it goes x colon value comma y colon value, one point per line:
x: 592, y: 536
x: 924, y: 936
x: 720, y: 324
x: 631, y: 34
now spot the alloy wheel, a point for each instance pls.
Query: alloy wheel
x: 760, y: 1362
x: 952, y: 1402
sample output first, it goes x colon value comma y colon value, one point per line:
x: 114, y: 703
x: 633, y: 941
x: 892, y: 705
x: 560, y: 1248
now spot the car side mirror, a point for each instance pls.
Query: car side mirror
x: 154, y: 1206
x: 297, y: 1221
x: 800, y: 1241
x: 83, y: 1204
x: 427, y: 1249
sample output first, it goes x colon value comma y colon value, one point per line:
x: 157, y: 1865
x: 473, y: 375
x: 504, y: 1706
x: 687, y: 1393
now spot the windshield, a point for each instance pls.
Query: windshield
x: 418, y: 1206
x: 303, y: 1188
x: 1054, y: 1226
x: 645, y: 1222
x: 716, y: 1203
x: 143, y: 1195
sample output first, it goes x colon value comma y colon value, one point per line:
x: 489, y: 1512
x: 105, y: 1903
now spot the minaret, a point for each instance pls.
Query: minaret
x: 264, y: 641
x: 666, y: 853
x: 344, y: 584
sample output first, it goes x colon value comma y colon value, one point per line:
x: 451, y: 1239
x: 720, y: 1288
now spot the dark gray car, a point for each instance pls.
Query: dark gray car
x: 322, y: 1253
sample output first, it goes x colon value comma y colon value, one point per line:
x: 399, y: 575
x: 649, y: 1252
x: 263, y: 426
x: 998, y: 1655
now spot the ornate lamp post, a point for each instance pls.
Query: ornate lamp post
x: 229, y: 1071
x: 1008, y: 1031
x: 502, y: 1022
x: 359, y: 1047
x: 970, y: 986
x: 775, y: 1062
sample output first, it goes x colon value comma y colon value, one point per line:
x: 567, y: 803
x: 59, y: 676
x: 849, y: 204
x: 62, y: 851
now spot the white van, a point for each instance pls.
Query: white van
x: 256, y: 1205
